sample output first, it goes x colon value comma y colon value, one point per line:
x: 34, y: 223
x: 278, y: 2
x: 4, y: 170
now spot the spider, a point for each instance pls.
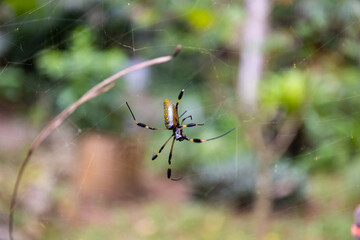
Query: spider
x: 172, y: 122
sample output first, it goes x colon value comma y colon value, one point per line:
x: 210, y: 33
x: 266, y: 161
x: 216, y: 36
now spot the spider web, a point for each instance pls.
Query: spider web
x: 65, y: 193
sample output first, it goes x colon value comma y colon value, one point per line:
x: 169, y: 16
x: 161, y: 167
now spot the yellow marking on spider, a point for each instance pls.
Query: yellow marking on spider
x: 146, y: 126
x: 191, y: 140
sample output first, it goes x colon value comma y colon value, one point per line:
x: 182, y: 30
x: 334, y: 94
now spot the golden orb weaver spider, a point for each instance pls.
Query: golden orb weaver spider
x: 172, y: 122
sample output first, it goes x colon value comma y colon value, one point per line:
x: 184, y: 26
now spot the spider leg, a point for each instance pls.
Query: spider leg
x: 183, y: 114
x: 170, y: 155
x: 191, y: 125
x: 162, y: 147
x: 181, y: 94
x: 169, y: 169
x: 143, y: 125
x: 190, y: 116
x: 200, y: 140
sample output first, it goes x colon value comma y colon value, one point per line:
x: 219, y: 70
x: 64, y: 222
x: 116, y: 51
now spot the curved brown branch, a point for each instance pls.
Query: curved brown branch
x: 101, y: 87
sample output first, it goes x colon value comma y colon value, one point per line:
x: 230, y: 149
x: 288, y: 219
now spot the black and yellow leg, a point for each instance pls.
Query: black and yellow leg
x: 201, y: 140
x: 170, y: 155
x: 143, y: 125
x: 180, y: 95
x: 169, y: 169
x: 191, y: 125
x: 196, y: 140
x: 162, y: 147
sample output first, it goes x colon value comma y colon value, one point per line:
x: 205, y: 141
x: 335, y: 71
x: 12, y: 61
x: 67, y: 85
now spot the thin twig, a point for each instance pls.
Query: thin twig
x: 101, y: 87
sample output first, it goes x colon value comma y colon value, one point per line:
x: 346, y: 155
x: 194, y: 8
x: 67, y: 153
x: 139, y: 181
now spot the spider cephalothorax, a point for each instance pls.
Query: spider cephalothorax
x: 179, y: 134
x: 172, y: 122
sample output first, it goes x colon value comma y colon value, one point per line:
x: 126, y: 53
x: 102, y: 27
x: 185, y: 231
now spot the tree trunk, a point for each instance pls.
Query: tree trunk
x: 252, y: 52
x: 250, y: 73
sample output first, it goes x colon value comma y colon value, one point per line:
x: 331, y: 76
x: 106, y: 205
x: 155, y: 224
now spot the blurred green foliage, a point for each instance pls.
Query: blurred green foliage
x: 311, y: 70
x: 332, y: 120
x: 11, y: 86
x: 21, y: 7
x: 285, y: 90
x: 77, y: 70
x: 233, y: 183
x: 72, y: 52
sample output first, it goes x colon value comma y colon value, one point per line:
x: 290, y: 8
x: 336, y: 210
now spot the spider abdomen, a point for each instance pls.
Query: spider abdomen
x: 171, y: 117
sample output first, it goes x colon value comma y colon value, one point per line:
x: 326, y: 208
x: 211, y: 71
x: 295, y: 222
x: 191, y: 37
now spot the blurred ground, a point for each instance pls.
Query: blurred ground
x: 163, y: 209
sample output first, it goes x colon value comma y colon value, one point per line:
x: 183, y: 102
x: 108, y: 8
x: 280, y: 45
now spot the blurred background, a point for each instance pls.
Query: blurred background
x: 93, y: 177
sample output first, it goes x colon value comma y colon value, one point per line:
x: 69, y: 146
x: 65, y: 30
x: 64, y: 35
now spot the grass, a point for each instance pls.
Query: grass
x: 327, y: 215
